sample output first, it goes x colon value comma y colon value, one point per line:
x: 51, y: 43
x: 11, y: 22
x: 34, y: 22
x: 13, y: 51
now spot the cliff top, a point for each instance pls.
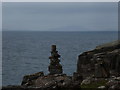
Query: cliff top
x: 111, y: 44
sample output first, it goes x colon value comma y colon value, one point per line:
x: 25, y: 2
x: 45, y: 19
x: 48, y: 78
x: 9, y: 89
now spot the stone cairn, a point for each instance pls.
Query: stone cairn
x: 54, y: 67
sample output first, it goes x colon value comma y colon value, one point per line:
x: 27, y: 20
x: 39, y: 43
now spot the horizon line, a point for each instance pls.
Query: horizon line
x: 59, y: 0
x: 63, y: 31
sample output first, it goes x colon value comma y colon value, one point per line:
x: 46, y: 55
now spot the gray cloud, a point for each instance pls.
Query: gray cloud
x: 60, y: 16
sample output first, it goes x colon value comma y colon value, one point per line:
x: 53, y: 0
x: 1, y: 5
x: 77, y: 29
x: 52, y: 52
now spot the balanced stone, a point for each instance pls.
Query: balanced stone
x: 54, y: 67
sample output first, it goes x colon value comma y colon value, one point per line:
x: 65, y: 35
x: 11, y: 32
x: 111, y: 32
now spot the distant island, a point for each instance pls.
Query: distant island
x: 98, y: 68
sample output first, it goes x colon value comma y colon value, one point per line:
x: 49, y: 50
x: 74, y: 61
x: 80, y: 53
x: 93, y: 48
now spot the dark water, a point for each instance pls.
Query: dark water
x: 28, y: 52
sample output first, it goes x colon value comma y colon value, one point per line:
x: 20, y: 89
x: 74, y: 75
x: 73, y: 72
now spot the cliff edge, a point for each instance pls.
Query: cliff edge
x: 103, y: 61
x: 98, y: 68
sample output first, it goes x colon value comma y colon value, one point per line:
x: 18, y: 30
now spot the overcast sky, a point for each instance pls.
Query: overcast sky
x: 60, y: 0
x: 39, y: 16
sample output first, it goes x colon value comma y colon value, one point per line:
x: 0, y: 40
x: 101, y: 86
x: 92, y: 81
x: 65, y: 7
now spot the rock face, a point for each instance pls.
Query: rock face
x: 28, y: 80
x: 54, y: 67
x: 55, y: 81
x: 101, y: 62
x: 113, y: 83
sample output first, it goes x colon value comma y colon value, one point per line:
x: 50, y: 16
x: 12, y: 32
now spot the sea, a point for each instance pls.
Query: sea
x: 27, y: 52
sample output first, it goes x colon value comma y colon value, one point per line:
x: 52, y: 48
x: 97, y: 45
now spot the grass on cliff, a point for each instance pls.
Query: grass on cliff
x: 94, y: 84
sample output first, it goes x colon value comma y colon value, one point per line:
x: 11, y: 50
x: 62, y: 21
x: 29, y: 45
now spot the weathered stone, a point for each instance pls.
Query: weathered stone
x: 101, y: 87
x: 77, y: 77
x: 54, y: 67
x: 55, y: 80
x: 98, y: 70
x: 86, y: 81
x: 109, y: 53
x: 29, y: 79
x: 118, y: 65
x: 101, y: 69
x: 113, y: 83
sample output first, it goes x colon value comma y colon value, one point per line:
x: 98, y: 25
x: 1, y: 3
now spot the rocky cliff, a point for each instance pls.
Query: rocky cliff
x: 98, y: 68
x: 103, y: 61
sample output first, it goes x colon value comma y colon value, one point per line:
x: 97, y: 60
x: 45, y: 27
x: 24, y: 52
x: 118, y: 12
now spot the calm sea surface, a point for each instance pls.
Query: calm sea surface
x: 27, y: 52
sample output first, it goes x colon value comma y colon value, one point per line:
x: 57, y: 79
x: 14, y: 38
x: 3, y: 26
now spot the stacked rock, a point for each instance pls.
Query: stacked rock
x: 55, y: 67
